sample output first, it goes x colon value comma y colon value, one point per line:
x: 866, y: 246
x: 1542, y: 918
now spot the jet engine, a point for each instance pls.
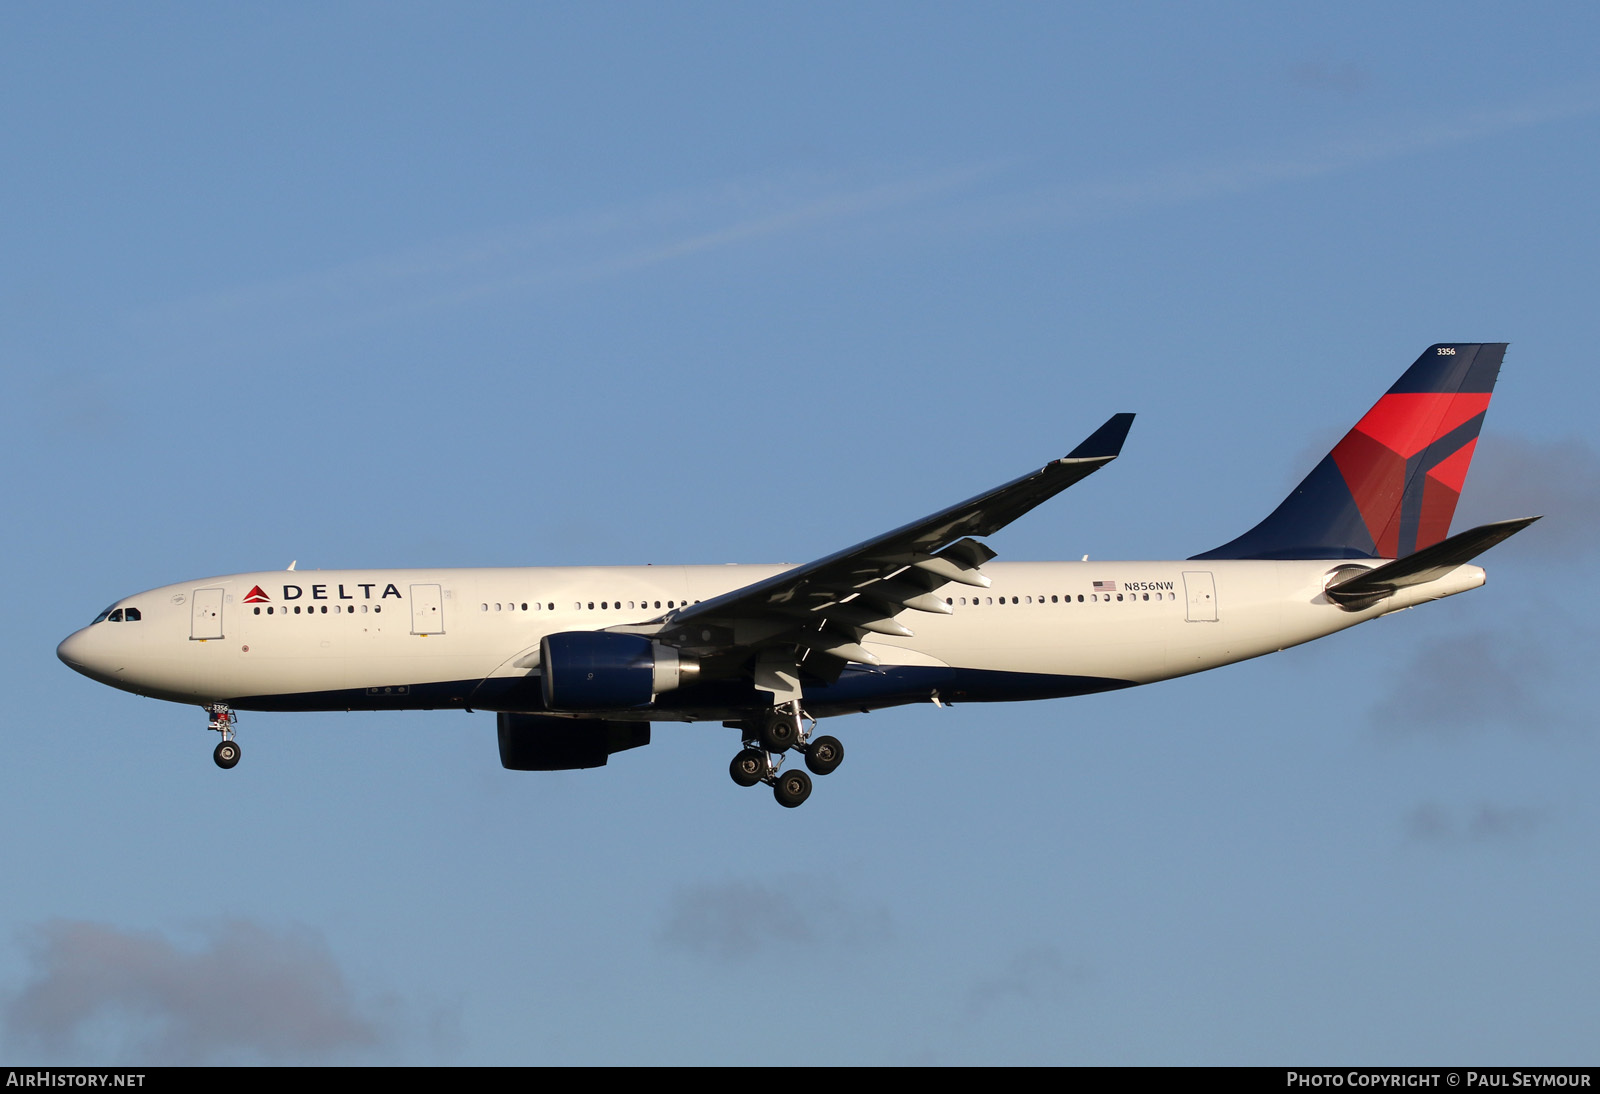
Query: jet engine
x: 535, y: 742
x: 599, y: 670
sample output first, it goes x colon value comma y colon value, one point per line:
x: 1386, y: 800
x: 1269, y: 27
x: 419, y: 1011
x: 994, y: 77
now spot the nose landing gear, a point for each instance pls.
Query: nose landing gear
x: 226, y: 754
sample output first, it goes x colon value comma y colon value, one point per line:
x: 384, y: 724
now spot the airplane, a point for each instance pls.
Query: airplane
x: 578, y: 662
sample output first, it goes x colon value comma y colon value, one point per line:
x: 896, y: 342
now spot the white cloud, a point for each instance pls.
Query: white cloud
x: 1517, y: 477
x: 1483, y: 823
x: 247, y: 994
x: 1034, y: 975
x: 737, y: 921
x: 1461, y: 683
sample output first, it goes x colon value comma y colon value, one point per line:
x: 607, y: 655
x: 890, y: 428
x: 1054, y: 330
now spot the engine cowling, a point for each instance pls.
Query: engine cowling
x: 598, y: 670
x: 533, y: 742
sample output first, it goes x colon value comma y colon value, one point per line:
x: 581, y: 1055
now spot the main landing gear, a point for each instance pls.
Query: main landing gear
x: 223, y: 718
x: 770, y: 734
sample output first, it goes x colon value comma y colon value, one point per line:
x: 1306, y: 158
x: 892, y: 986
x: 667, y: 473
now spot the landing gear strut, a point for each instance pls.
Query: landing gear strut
x: 223, y: 718
x: 771, y: 733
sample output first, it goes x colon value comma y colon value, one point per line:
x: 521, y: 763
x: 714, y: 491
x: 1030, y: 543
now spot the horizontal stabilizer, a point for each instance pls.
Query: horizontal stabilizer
x: 1370, y: 586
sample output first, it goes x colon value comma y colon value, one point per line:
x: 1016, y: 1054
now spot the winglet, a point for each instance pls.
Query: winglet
x: 1104, y: 443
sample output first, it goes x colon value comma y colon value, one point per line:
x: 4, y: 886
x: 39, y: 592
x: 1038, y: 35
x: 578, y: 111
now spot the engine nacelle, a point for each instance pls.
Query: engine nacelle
x: 598, y: 670
x: 534, y: 742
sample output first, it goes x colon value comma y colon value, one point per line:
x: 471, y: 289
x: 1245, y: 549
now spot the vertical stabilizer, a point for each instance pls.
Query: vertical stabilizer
x: 1390, y: 487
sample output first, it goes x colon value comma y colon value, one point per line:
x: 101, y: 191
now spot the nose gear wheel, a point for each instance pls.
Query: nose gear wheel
x: 223, y: 719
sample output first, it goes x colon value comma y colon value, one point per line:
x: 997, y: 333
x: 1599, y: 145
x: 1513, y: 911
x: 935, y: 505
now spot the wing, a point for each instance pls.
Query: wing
x: 820, y: 612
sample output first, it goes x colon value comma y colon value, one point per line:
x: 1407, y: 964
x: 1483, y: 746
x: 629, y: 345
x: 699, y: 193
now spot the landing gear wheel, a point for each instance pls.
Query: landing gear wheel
x: 792, y: 788
x: 226, y: 754
x: 824, y: 755
x: 779, y: 732
x: 748, y: 767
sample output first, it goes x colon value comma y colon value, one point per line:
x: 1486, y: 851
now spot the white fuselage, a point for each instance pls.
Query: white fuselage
x: 406, y: 639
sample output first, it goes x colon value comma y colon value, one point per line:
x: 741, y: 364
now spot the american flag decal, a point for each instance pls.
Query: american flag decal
x: 1105, y: 586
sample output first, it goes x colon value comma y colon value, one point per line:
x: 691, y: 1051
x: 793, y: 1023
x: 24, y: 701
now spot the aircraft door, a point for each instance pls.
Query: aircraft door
x: 427, y: 610
x: 1201, y: 589
x: 205, y: 615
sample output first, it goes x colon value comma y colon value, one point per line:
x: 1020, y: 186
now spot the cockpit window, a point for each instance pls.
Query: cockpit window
x: 116, y: 616
x: 131, y: 615
x: 102, y: 617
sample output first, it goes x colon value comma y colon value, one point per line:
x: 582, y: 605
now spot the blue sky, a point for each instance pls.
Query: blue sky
x: 418, y: 285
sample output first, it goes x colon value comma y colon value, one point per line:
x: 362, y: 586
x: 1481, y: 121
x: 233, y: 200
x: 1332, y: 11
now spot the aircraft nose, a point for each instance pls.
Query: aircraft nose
x: 71, y: 649
x: 77, y: 654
